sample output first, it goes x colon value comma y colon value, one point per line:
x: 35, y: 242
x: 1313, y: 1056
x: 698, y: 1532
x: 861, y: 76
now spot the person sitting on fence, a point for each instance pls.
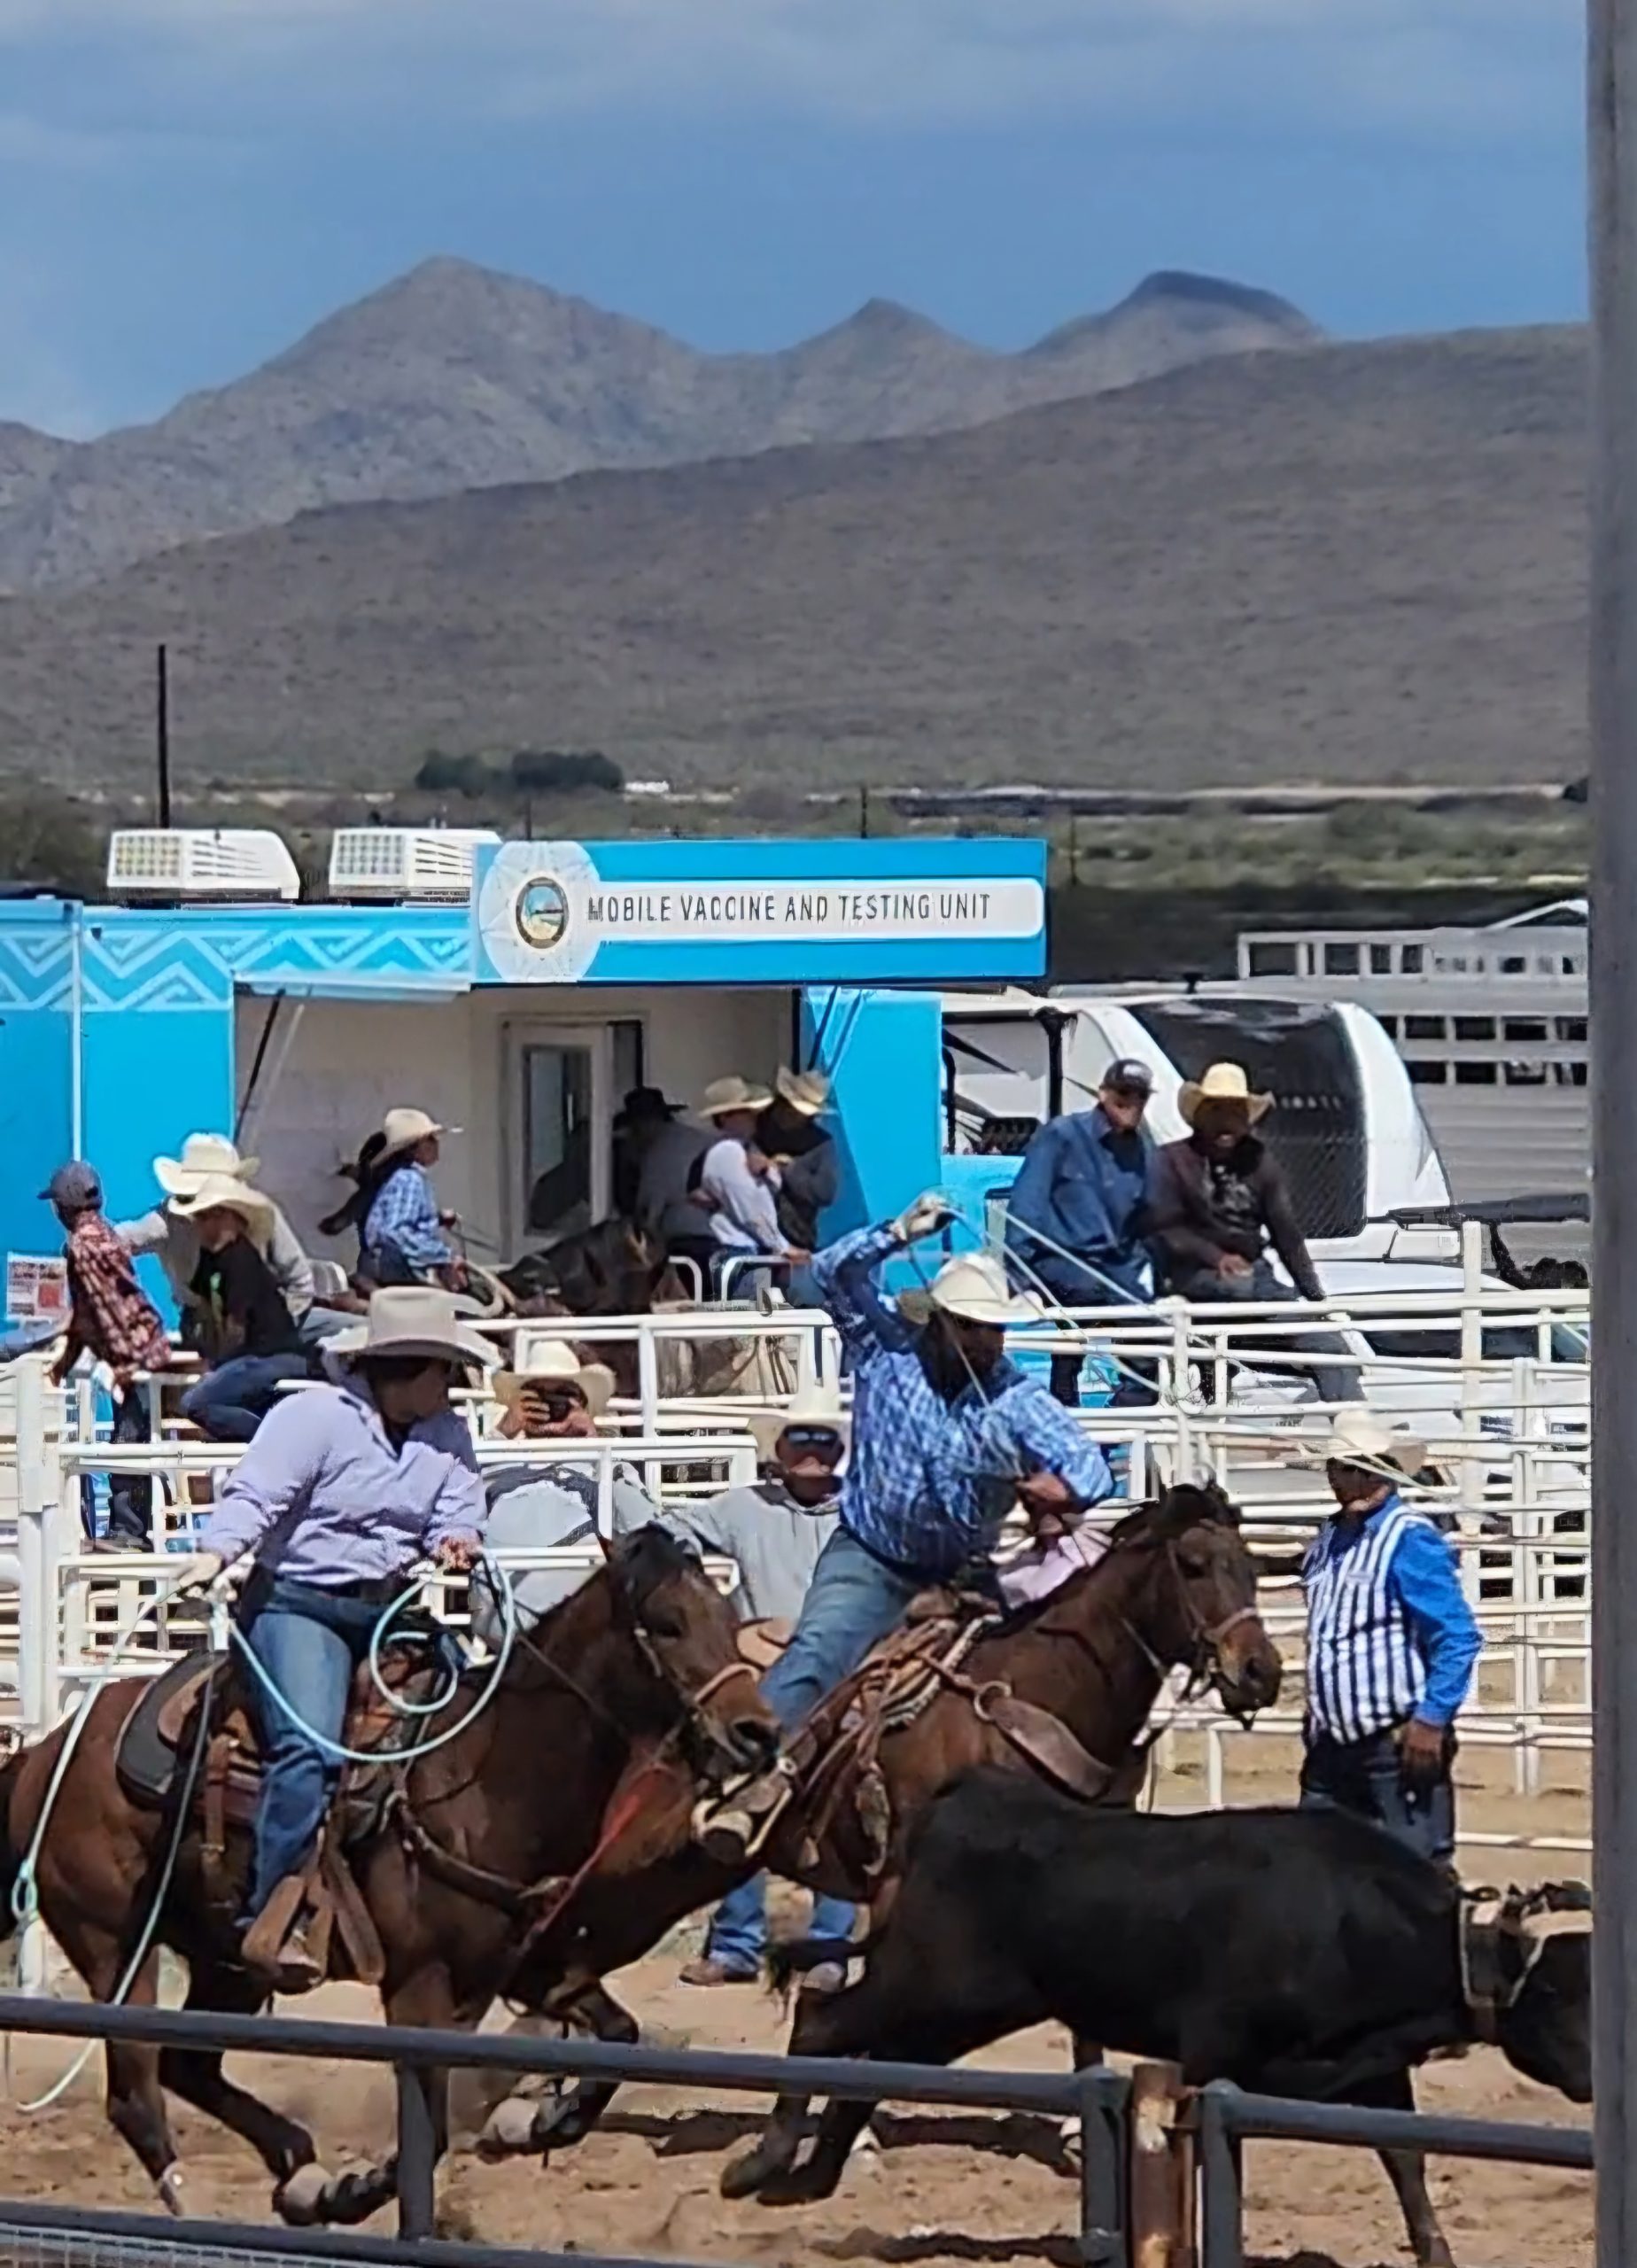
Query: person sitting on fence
x: 1077, y: 1215
x: 404, y: 1239
x: 664, y: 1150
x: 738, y: 1188
x: 550, y: 1395
x: 775, y: 1530
x: 171, y: 1234
x: 1218, y: 1203
x: 246, y: 1333
x: 111, y: 1319
x: 344, y: 1488
x: 1392, y: 1644
x: 948, y: 1436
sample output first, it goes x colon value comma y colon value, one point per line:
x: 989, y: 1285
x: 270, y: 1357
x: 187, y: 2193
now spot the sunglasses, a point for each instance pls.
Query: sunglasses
x: 812, y: 1437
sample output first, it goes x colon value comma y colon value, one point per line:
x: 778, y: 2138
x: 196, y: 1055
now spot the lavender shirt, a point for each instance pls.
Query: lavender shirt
x: 322, y: 1496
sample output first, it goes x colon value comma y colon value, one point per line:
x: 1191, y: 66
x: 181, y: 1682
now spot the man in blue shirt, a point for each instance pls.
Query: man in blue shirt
x: 948, y: 1435
x: 404, y: 1238
x: 1392, y: 1644
x: 1074, y: 1218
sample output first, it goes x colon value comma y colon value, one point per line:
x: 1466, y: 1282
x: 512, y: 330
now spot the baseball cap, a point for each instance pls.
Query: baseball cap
x: 1125, y: 1071
x: 75, y: 1186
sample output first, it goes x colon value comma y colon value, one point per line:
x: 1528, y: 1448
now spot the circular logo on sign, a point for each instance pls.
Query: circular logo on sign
x: 542, y: 912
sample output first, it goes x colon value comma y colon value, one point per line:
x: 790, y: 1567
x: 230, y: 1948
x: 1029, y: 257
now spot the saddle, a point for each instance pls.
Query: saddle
x: 160, y: 1743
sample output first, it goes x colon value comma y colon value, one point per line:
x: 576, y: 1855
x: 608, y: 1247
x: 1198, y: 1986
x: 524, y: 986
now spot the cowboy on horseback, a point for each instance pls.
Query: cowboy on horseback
x: 948, y: 1435
x: 344, y: 1487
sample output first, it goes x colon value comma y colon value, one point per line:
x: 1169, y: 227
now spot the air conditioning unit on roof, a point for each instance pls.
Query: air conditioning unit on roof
x: 236, y: 864
x: 432, y: 864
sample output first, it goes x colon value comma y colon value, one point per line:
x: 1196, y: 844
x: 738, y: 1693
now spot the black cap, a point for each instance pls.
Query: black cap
x: 1131, y: 1076
x: 76, y: 1187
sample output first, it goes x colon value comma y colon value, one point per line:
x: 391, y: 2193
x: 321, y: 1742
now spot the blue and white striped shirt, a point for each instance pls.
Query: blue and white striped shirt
x: 1390, y: 1634
x: 929, y: 1481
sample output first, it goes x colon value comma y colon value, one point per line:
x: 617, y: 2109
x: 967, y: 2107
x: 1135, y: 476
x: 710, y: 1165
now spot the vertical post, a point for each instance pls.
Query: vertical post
x: 1161, y: 2176
x: 162, y: 730
x: 1471, y: 1362
x: 76, y: 1032
x: 1101, y: 2235
x: 1221, y: 2184
x: 1612, y: 86
x: 37, y: 1607
x: 647, y: 1376
x: 417, y: 2154
x: 863, y: 814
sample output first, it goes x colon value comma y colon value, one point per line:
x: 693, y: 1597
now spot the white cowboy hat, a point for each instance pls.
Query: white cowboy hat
x: 722, y: 1096
x: 810, y: 1405
x: 403, y: 1129
x: 1222, y: 1082
x: 220, y: 1191
x: 973, y: 1286
x: 547, y: 1361
x: 202, y: 1155
x: 410, y: 1319
x: 1358, y: 1437
x: 807, y: 1092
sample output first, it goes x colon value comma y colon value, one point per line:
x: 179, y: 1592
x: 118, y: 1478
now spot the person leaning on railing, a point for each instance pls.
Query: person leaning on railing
x: 112, y: 1318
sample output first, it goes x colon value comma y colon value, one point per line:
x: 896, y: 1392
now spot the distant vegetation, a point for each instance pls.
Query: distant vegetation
x: 531, y: 771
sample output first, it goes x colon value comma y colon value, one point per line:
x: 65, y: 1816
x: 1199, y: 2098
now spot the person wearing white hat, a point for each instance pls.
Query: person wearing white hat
x: 404, y: 1238
x: 737, y: 1187
x: 248, y: 1336
x: 344, y: 1487
x: 1219, y: 1206
x: 1392, y: 1644
x: 948, y: 1435
x: 172, y: 1236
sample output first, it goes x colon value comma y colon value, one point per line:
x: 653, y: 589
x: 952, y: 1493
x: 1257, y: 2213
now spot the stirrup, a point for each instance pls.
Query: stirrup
x: 732, y: 1828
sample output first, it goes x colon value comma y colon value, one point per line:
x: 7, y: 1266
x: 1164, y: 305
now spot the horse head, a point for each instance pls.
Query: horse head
x: 1198, y: 1605
x: 688, y: 1638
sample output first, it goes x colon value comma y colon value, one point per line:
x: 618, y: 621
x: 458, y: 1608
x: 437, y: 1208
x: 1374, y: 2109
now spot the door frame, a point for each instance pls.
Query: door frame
x: 517, y: 1034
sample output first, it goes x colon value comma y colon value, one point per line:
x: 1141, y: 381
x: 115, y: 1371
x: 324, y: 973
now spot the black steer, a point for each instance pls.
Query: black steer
x: 1299, y: 1953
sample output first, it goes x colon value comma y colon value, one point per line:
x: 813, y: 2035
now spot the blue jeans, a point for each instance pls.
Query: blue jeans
x: 1340, y: 1383
x: 310, y: 1642
x: 738, y: 1937
x: 230, y: 1401
x: 852, y: 1602
x: 1363, y: 1776
x: 130, y: 1494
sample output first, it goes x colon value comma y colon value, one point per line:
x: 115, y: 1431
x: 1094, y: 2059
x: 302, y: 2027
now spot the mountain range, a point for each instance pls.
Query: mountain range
x: 1353, y: 562
x: 454, y: 377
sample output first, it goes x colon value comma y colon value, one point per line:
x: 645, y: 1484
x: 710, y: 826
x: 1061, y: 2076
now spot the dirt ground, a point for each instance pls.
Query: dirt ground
x: 942, y: 2189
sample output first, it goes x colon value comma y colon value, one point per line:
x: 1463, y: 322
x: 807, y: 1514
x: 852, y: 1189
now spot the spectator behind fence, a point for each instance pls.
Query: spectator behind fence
x: 111, y: 1318
x: 404, y: 1239
x: 1219, y: 1204
x: 248, y: 1337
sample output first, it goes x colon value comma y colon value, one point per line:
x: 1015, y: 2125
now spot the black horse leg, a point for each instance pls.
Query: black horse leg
x: 195, y: 2075
x: 826, y: 2024
x: 571, y: 2118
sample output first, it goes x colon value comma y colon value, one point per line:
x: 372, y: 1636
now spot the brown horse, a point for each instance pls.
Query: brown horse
x: 1176, y: 1589
x: 642, y: 1659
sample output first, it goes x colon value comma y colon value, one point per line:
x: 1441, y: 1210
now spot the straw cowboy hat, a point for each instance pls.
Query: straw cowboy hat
x: 222, y: 1193
x: 1222, y: 1082
x: 552, y: 1361
x: 723, y: 1097
x: 807, y: 1092
x: 974, y: 1287
x: 410, y: 1319
x: 203, y: 1156
x: 405, y: 1130
x: 812, y: 1405
x: 1358, y: 1437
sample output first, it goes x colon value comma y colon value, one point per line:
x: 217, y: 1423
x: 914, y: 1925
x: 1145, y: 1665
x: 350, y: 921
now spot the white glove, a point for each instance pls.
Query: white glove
x: 924, y: 1218
x: 200, y: 1573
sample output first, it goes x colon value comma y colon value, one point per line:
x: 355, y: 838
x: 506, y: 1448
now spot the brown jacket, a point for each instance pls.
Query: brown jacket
x: 1192, y: 1236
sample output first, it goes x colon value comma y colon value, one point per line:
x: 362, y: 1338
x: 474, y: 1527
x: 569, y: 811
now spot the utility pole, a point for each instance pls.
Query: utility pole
x: 162, y: 732
x: 1612, y: 88
x: 863, y: 814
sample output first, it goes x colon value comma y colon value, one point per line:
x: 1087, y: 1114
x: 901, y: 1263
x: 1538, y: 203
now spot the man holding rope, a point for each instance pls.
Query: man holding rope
x: 948, y: 1435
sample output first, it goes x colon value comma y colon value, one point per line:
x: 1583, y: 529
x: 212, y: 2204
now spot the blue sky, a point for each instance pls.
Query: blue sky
x: 187, y: 184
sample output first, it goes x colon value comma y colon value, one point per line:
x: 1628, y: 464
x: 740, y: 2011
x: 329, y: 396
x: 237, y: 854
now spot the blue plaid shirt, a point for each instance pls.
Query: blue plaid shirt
x: 928, y: 1481
x: 404, y: 1213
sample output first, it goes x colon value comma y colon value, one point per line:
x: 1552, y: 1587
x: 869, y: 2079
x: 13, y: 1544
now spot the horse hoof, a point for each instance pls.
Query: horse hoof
x: 511, y: 2130
x: 174, y: 2192
x: 301, y: 2201
x: 747, y: 2176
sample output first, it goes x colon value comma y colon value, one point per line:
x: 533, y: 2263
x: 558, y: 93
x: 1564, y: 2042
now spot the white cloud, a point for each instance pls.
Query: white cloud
x: 1447, y: 63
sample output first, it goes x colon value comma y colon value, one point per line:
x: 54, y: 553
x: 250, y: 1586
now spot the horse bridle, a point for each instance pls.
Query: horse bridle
x: 1205, y: 1664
